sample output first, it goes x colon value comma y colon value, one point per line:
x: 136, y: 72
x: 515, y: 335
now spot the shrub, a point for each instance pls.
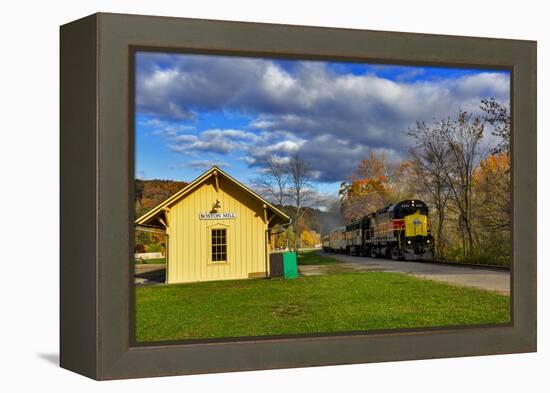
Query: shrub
x: 139, y: 249
x: 153, y: 248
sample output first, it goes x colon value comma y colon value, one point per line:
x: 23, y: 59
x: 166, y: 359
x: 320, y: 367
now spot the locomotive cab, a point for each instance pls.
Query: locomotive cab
x: 414, y: 239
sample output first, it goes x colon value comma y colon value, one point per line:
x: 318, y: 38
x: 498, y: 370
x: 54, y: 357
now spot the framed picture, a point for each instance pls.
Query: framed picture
x: 242, y: 196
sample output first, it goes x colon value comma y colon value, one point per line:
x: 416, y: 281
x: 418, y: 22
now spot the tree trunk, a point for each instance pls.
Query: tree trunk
x: 439, y: 242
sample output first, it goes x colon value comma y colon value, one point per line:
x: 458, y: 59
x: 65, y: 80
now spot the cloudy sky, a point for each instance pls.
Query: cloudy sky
x: 193, y: 111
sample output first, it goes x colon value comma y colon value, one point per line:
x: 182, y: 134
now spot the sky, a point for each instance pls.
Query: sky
x: 194, y: 111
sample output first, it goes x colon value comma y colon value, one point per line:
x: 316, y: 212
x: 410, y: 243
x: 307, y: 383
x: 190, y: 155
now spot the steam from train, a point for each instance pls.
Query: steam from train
x: 397, y: 231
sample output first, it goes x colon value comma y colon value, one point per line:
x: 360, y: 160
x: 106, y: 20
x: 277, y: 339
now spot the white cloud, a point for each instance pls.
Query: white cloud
x: 203, y: 165
x: 165, y: 128
x: 330, y: 118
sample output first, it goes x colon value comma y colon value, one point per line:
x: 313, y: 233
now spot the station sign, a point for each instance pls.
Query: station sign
x: 217, y: 216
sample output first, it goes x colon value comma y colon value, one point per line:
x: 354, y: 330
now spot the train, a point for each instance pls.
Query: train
x: 400, y: 231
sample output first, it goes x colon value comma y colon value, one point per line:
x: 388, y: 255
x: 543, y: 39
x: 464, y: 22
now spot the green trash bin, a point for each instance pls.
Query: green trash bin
x: 290, y: 265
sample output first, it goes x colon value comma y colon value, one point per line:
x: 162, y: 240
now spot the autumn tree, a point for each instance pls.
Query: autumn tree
x: 368, y: 189
x: 282, y: 238
x: 310, y: 238
x: 492, y: 201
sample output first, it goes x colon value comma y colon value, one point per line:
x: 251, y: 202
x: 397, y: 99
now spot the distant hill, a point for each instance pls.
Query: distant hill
x: 318, y: 220
x: 149, y: 193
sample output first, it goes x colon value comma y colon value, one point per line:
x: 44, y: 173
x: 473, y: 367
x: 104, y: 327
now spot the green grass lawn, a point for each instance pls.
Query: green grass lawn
x: 310, y: 257
x: 150, y: 261
x: 315, y: 304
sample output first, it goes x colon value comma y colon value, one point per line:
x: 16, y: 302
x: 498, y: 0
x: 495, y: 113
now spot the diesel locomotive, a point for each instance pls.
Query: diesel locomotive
x: 397, y: 231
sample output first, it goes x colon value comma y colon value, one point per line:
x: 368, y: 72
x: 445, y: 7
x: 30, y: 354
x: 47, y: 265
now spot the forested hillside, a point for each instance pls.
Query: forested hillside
x: 150, y: 193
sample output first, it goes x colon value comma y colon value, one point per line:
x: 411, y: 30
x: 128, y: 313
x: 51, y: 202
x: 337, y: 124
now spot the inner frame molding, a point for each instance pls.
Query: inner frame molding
x: 97, y: 172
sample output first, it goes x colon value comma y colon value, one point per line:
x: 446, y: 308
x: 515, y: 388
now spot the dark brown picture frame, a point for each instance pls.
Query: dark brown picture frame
x: 96, y: 295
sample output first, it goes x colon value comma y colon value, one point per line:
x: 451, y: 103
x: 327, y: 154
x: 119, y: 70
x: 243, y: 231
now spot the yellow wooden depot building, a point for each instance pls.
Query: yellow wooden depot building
x: 217, y: 229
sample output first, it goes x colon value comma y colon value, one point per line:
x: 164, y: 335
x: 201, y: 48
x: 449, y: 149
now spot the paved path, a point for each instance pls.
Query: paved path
x: 485, y: 278
x: 146, y: 274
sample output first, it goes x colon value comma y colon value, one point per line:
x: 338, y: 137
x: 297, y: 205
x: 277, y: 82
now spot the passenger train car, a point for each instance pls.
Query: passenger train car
x: 397, y: 231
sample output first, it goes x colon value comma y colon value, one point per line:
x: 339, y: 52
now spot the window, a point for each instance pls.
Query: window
x: 219, y: 245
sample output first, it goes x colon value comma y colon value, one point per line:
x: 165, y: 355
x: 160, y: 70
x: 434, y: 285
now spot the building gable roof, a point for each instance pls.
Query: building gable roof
x: 151, y: 214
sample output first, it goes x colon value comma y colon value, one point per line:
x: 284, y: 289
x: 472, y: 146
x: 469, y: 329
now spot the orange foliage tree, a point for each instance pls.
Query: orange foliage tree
x: 492, y: 189
x: 310, y: 238
x: 493, y: 206
x: 369, y: 189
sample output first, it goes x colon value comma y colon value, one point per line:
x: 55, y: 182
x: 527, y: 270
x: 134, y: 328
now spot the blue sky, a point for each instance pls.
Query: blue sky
x: 194, y: 111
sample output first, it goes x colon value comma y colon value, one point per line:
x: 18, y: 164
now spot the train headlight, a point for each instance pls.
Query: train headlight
x: 427, y: 241
x: 408, y: 242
